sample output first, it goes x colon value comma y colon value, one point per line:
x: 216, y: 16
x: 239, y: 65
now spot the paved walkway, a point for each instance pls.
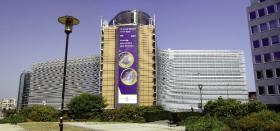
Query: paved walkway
x: 107, y: 126
x: 9, y: 127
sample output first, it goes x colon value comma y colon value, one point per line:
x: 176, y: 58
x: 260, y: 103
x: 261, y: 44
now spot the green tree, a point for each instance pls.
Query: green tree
x: 86, y: 106
x: 40, y: 113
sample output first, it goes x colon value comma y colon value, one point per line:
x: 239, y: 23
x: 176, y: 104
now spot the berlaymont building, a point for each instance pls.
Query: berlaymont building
x: 130, y: 69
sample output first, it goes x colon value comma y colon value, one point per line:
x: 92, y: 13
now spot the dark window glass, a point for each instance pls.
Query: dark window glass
x: 278, y: 6
x: 270, y: 9
x: 258, y: 59
x: 263, y: 27
x: 273, y: 24
x: 261, y: 90
x: 271, y: 89
x: 278, y: 72
x: 274, y: 39
x: 261, y: 12
x: 254, y: 29
x: 261, y: 0
x: 256, y: 43
x: 267, y: 57
x: 265, y: 42
x: 269, y: 73
x: 276, y: 55
x: 259, y: 74
x: 253, y: 15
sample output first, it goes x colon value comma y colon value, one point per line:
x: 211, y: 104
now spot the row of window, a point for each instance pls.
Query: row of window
x: 267, y: 57
x: 272, y: 24
x: 270, y: 90
x: 264, y: 42
x: 269, y: 73
x: 265, y: 11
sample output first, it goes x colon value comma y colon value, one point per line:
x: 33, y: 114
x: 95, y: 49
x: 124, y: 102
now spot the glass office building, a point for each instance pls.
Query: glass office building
x: 23, y: 92
x: 264, y: 26
x: 47, y: 77
x: 220, y: 74
x: 128, y: 67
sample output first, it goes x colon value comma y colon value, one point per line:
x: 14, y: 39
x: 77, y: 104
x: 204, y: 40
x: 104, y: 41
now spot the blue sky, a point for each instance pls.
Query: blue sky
x: 30, y: 33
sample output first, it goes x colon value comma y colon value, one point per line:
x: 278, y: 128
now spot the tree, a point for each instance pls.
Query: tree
x: 86, y: 106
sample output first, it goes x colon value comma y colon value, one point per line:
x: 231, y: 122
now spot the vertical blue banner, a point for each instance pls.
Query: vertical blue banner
x: 128, y: 64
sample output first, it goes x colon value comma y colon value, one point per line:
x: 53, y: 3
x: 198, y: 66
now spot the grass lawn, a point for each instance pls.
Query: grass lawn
x: 48, y: 126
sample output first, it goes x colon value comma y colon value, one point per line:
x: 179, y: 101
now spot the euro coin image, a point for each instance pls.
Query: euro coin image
x: 126, y: 59
x: 129, y: 76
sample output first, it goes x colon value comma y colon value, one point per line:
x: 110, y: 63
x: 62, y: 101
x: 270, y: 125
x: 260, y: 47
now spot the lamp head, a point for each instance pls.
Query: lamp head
x: 68, y: 21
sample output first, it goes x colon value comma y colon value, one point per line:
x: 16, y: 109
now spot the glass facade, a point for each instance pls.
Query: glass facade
x: 46, y: 82
x: 221, y: 73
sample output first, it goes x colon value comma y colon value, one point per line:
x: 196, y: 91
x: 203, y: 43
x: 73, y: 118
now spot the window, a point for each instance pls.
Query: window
x: 254, y: 29
x: 273, y: 24
x: 269, y: 73
x: 253, y: 15
x: 263, y: 27
x: 265, y: 42
x: 258, y: 59
x: 276, y: 55
x: 256, y: 43
x: 270, y: 9
x: 274, y: 39
x: 278, y: 6
x: 259, y: 74
x: 261, y: 1
x: 271, y: 89
x: 277, y: 72
x: 261, y: 90
x: 267, y: 57
x: 261, y: 12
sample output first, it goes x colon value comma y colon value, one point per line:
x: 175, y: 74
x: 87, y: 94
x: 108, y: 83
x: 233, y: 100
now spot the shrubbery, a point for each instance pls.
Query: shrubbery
x: 86, y: 106
x: 205, y: 123
x: 40, y: 113
x: 262, y: 121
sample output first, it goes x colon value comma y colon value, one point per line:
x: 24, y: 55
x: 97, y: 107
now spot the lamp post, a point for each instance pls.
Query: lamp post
x: 200, y: 88
x: 68, y: 21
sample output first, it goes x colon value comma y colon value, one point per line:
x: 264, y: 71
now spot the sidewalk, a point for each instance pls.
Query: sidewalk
x: 107, y: 126
x: 9, y: 127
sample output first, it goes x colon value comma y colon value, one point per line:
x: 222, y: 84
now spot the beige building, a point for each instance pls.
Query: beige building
x: 128, y: 48
x: 6, y: 104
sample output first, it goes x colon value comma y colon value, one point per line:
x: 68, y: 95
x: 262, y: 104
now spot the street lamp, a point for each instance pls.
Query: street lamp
x: 68, y: 21
x: 200, y: 88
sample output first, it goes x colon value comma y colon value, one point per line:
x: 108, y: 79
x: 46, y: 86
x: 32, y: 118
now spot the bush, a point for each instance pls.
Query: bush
x: 126, y: 113
x: 224, y: 108
x: 151, y: 116
x: 15, y: 118
x: 40, y: 113
x: 263, y: 120
x: 205, y: 123
x: 254, y: 106
x: 86, y: 106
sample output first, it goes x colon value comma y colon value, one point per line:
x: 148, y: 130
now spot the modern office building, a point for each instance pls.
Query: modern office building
x: 128, y: 59
x: 23, y: 92
x: 264, y: 25
x: 46, y: 81
x: 220, y: 73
